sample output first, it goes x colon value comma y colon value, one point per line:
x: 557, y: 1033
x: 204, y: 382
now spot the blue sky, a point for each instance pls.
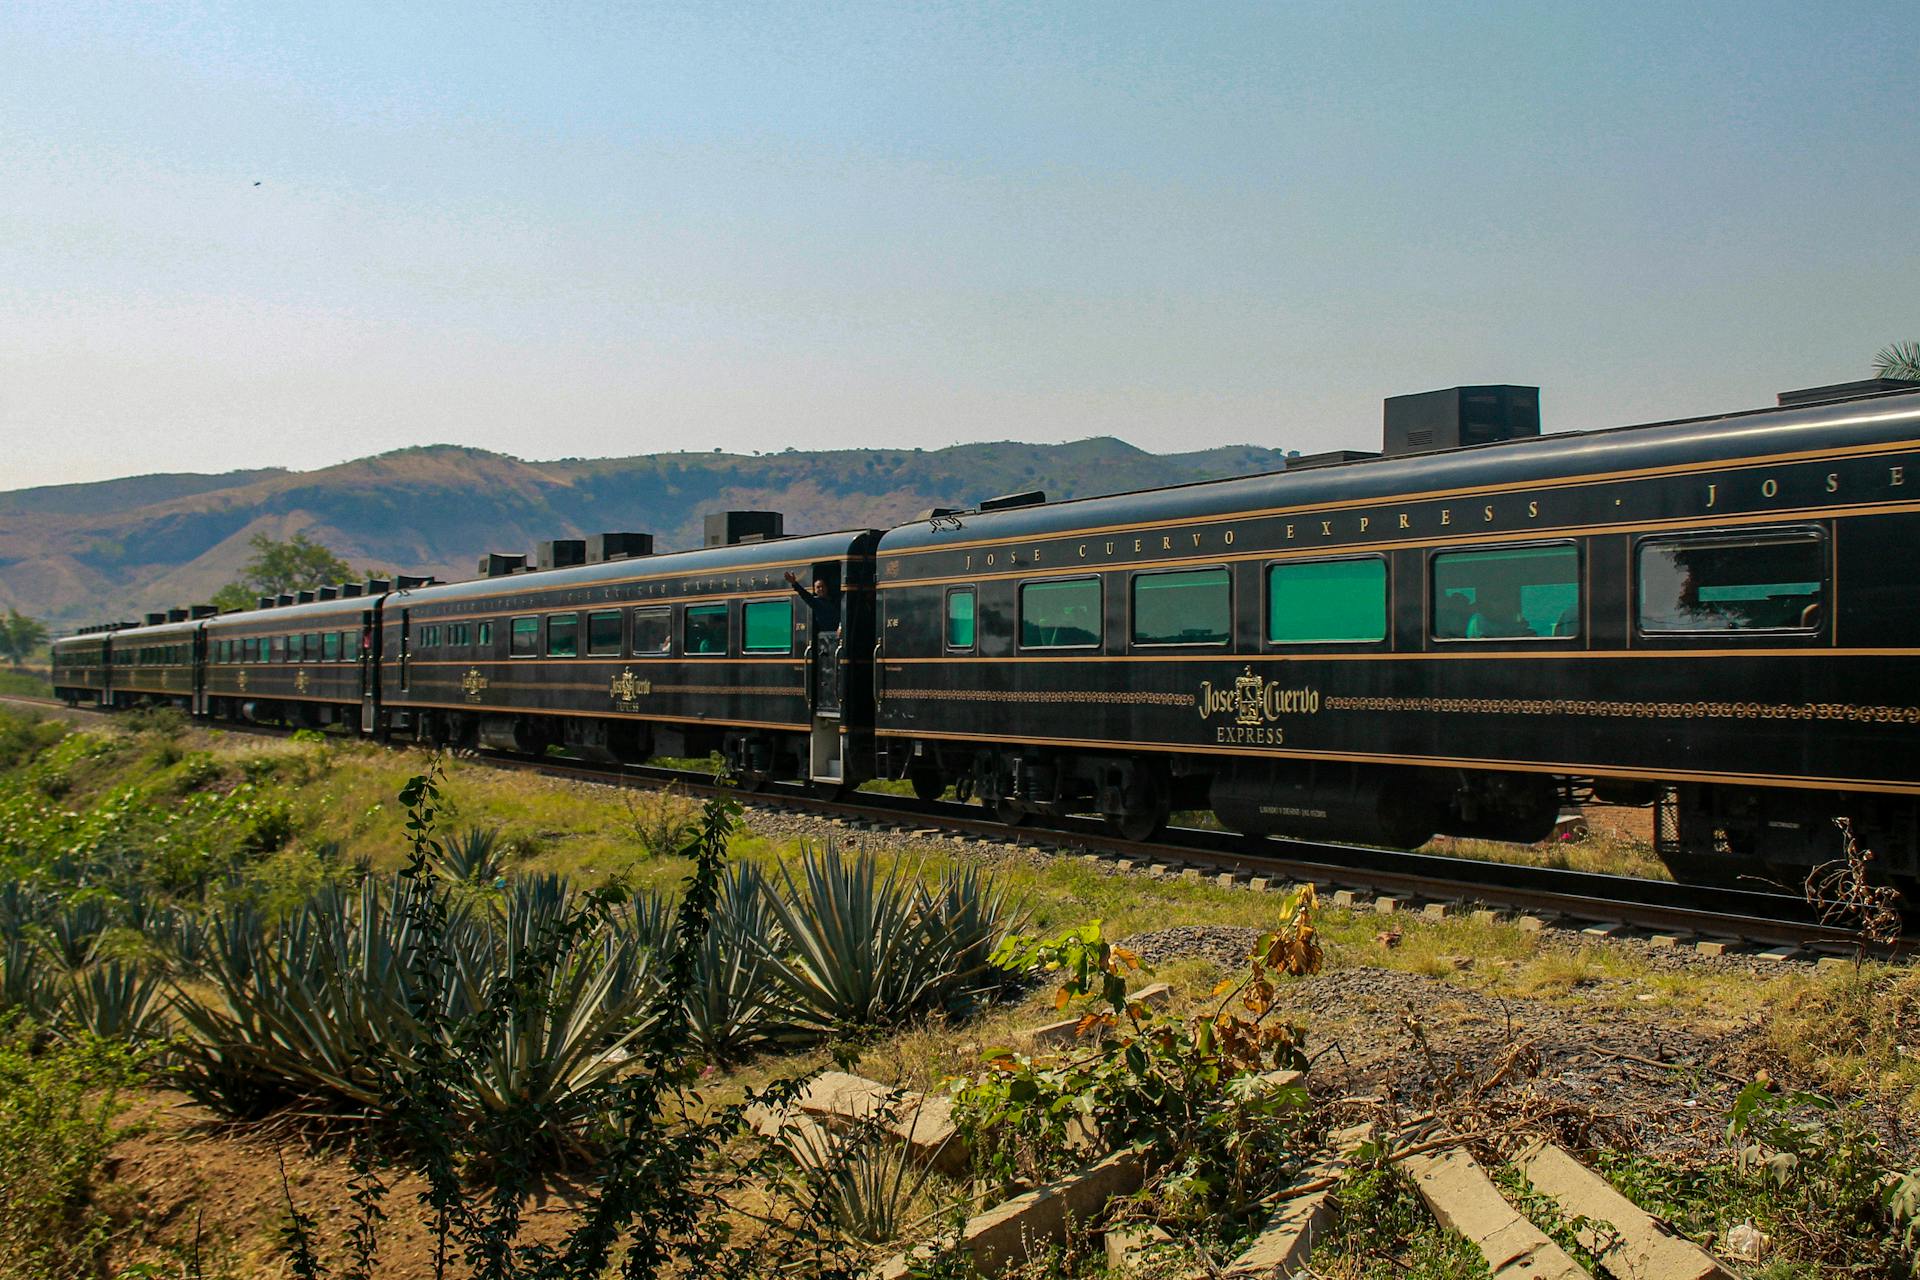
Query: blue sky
x: 586, y: 230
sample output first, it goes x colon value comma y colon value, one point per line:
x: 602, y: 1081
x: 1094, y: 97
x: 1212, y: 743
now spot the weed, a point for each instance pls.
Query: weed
x: 1382, y: 1230
x: 659, y: 819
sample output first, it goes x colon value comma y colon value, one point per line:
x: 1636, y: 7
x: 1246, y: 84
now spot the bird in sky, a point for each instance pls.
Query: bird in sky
x: 256, y: 184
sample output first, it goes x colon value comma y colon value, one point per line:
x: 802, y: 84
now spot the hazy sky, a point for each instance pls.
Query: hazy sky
x: 246, y: 235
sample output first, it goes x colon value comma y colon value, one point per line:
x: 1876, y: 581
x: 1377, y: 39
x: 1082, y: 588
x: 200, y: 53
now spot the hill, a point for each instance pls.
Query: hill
x: 79, y: 553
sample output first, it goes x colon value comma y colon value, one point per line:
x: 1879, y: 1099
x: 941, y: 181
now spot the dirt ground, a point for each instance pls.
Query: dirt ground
x: 1388, y: 1045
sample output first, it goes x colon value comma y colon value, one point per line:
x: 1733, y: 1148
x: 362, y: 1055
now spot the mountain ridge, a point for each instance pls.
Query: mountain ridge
x: 72, y: 554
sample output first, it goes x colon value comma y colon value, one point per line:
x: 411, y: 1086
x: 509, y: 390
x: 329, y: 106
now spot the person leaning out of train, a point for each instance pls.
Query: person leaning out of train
x: 821, y: 602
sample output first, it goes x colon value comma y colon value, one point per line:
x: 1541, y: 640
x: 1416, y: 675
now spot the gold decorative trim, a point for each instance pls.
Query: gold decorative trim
x: 1686, y: 710
x: 1123, y: 698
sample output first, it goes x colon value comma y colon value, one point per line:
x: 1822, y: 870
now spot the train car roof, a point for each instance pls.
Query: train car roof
x: 777, y: 553
x: 292, y: 617
x: 1569, y: 455
x: 159, y: 633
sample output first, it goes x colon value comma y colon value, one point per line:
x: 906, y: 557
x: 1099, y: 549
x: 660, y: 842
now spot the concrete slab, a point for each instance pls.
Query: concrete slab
x: 1536, y: 923
x: 1437, y: 910
x: 1465, y: 1200
x: 1127, y: 1247
x: 923, y: 1123
x: 1488, y: 915
x: 1783, y: 953
x: 1627, y: 1240
x: 1005, y: 1236
x: 1261, y: 884
x: 1714, y: 946
x: 1386, y: 904
x: 1347, y: 899
x: 1227, y: 879
x: 1155, y: 995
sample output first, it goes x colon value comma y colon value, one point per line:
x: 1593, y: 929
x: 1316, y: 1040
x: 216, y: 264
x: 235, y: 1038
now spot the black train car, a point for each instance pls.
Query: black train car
x: 677, y: 654
x: 81, y: 667
x: 156, y: 664
x: 298, y: 664
x: 1716, y: 614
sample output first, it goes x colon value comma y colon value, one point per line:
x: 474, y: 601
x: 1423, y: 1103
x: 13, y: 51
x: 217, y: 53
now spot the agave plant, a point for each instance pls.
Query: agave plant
x: 475, y: 856
x: 534, y: 1003
x: 28, y: 983
x: 968, y: 912
x: 23, y: 908
x: 117, y: 1001
x: 72, y: 931
x: 865, y: 950
x: 737, y: 1007
x: 861, y: 1180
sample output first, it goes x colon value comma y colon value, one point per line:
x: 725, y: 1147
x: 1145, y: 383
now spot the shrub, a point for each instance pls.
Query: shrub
x: 57, y: 1110
x: 737, y: 1007
x: 660, y: 820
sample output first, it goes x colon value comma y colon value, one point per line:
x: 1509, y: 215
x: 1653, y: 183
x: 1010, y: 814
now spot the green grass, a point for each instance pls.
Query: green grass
x: 25, y: 684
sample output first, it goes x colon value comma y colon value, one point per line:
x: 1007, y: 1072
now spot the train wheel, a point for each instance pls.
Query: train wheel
x: 1009, y: 814
x: 751, y: 782
x: 1138, y: 826
x: 928, y: 784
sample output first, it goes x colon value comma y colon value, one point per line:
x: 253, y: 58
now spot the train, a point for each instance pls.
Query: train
x: 1461, y: 634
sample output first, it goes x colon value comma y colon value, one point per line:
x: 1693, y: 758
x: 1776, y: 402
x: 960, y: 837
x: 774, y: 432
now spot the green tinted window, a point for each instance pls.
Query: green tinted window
x: 486, y: 635
x: 1507, y: 593
x: 1060, y: 615
x: 1764, y: 583
x: 603, y: 632
x: 766, y: 626
x: 330, y: 647
x: 652, y: 630
x: 294, y: 649
x: 1327, y: 602
x: 313, y: 646
x: 526, y: 637
x: 1194, y: 606
x: 563, y: 635
x: 705, y: 629
x: 960, y: 618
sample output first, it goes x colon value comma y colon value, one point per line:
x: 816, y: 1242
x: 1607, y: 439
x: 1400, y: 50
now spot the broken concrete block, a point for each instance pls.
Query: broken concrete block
x: 1465, y: 1200
x: 1626, y: 1239
x: 923, y: 1123
x: 1127, y: 1247
x: 1004, y: 1236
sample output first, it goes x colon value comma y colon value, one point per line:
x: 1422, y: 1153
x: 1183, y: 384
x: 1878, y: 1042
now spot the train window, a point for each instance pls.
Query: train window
x: 1752, y: 582
x: 526, y: 637
x: 563, y: 635
x: 485, y: 639
x: 961, y: 630
x: 1060, y: 615
x: 330, y: 647
x: 1507, y: 593
x: 462, y: 633
x: 603, y: 633
x: 313, y: 646
x: 704, y: 629
x: 1327, y: 601
x: 1188, y: 606
x: 652, y: 630
x: 766, y: 626
x: 249, y: 649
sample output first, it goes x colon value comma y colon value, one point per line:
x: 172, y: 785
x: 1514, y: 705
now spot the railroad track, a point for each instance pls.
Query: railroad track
x: 1712, y: 919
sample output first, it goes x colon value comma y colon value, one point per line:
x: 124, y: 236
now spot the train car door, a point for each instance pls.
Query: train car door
x: 369, y: 673
x: 406, y: 648
x: 826, y: 671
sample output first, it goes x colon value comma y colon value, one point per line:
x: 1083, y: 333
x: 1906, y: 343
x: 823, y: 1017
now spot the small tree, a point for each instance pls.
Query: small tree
x: 1899, y: 360
x: 277, y: 567
x: 20, y: 636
